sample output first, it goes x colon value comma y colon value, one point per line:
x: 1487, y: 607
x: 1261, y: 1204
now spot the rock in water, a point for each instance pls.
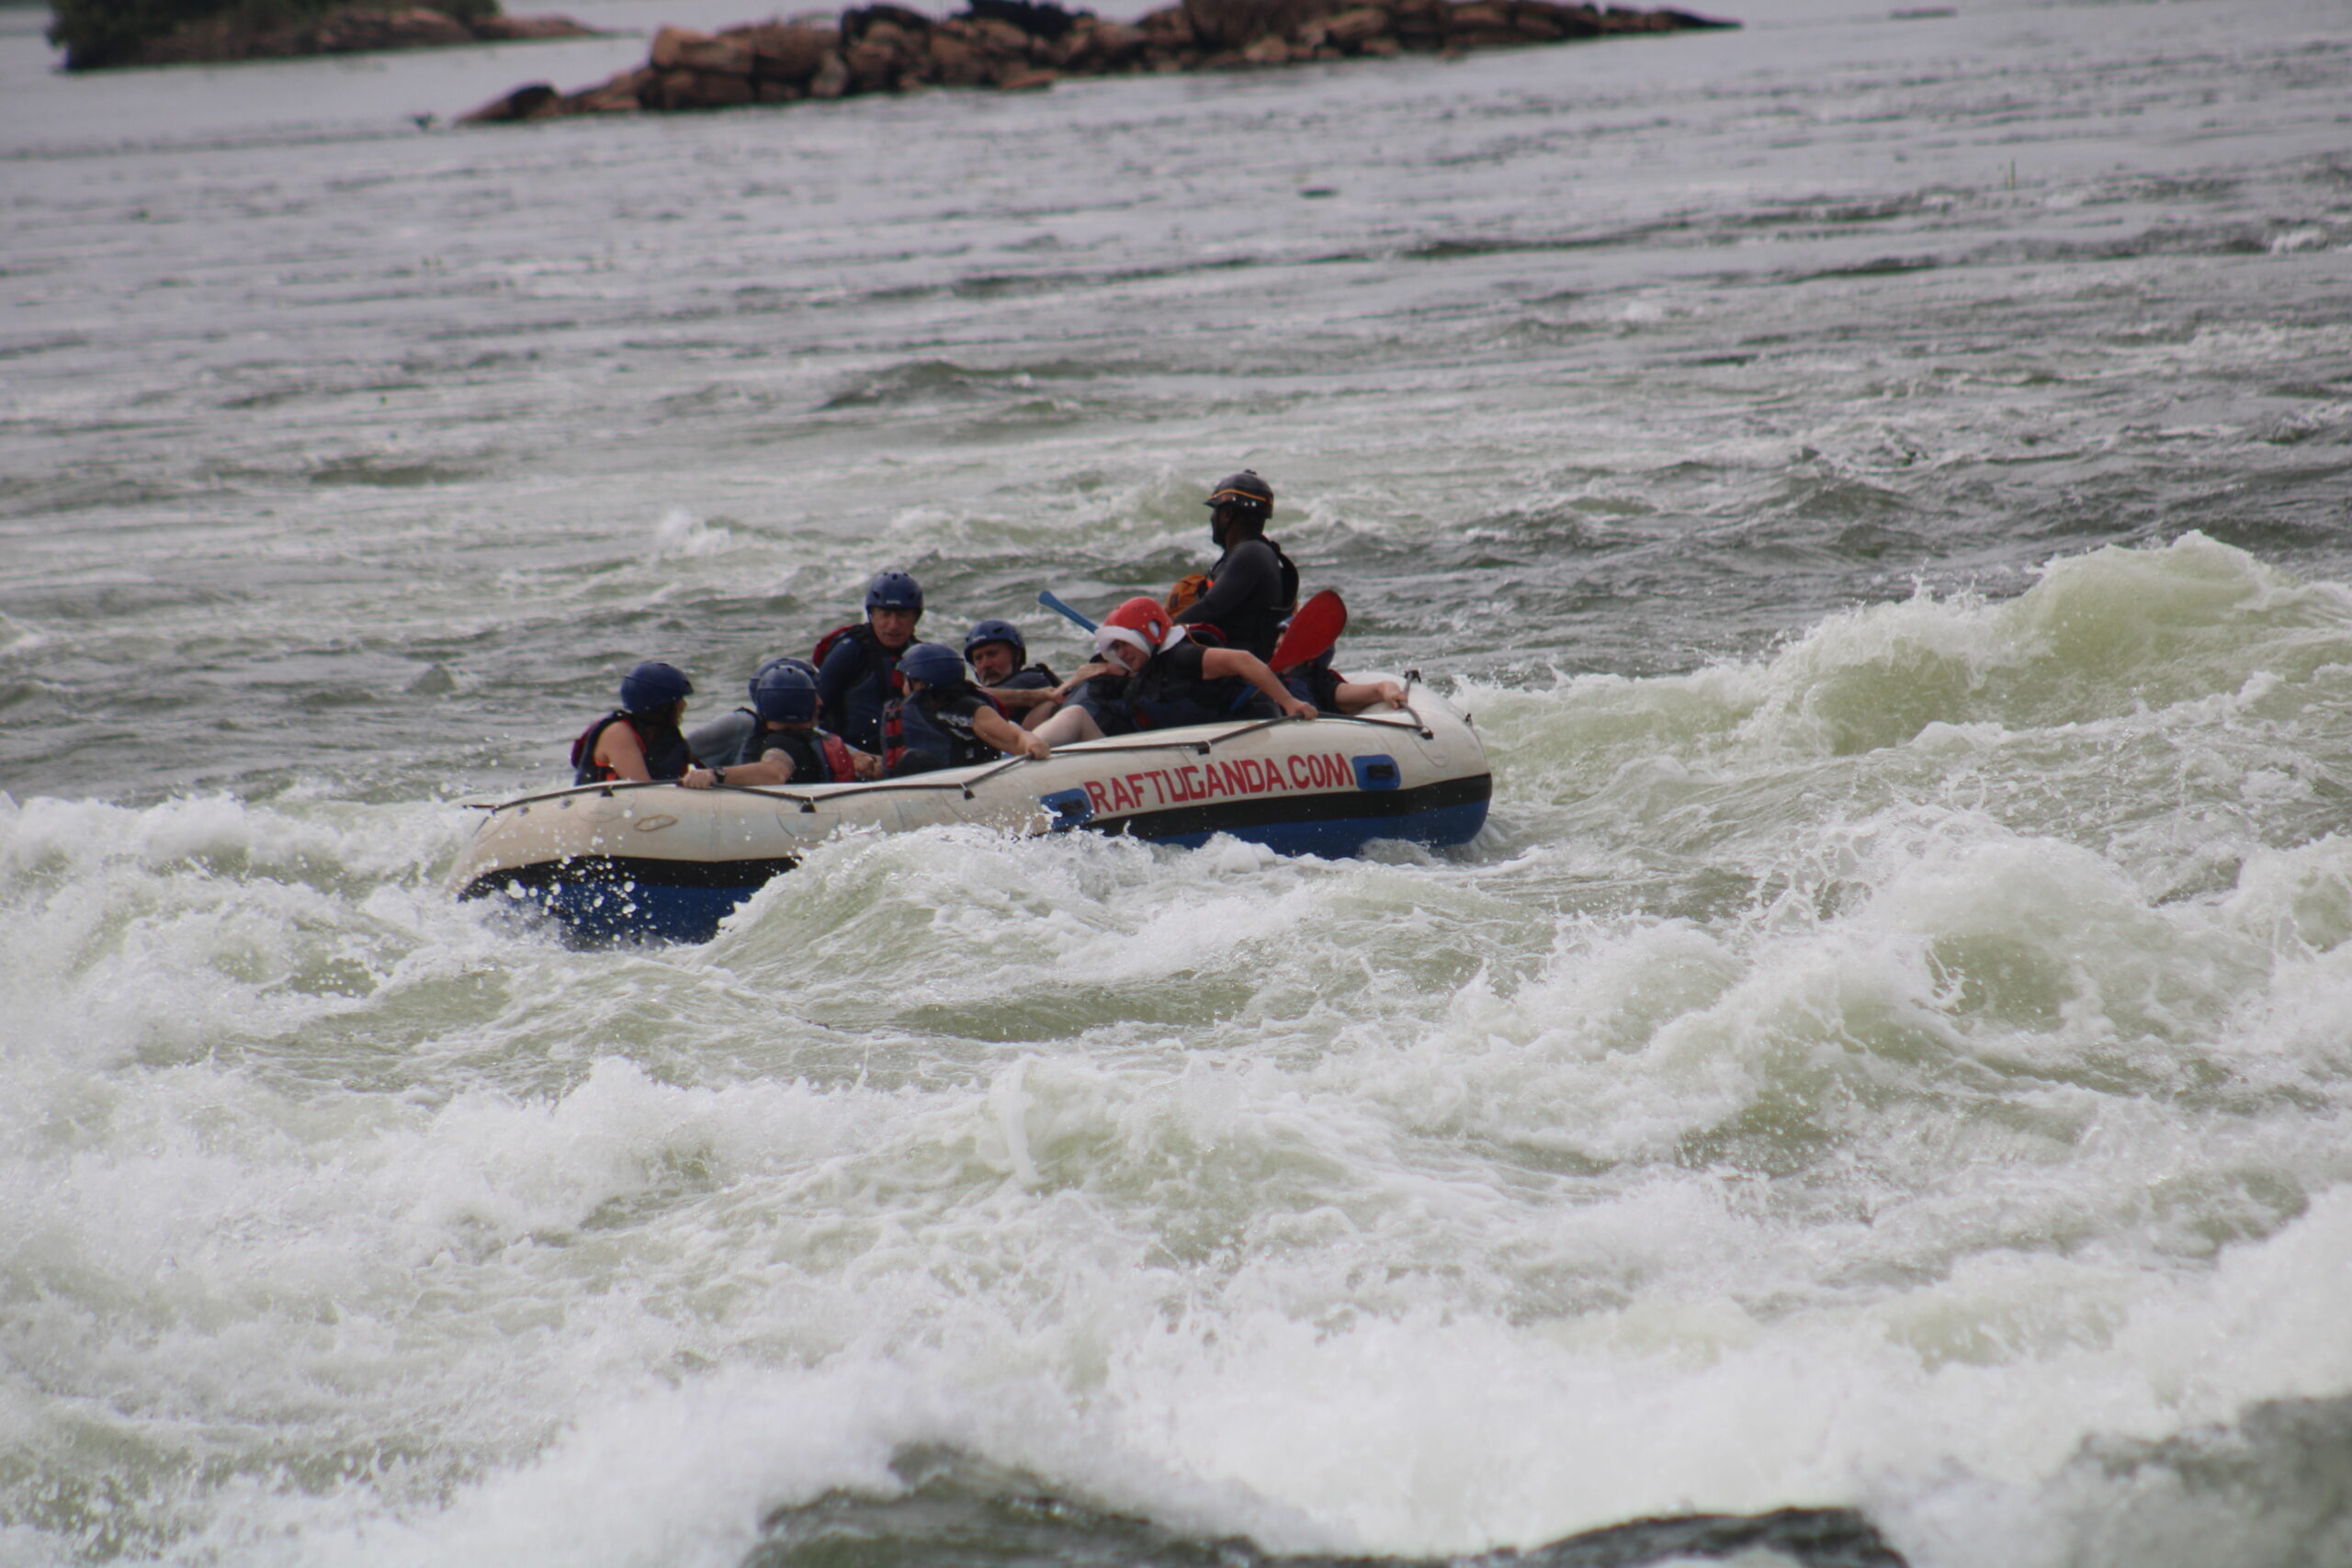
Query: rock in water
x: 533, y: 100
x: 956, y: 1501
x: 1237, y: 24
x: 1026, y: 45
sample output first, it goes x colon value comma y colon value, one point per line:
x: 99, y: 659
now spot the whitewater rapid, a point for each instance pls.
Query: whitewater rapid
x: 1877, y: 483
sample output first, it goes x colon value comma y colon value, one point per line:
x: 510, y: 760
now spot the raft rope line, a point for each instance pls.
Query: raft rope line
x: 809, y: 802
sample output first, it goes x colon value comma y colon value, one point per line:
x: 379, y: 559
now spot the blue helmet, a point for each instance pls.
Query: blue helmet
x: 997, y: 631
x: 785, y: 692
x: 932, y: 663
x: 652, y: 687
x: 893, y: 591
x: 782, y: 661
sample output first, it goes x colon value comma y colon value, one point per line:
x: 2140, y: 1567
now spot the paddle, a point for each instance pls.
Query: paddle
x: 1312, y: 631
x: 1052, y: 601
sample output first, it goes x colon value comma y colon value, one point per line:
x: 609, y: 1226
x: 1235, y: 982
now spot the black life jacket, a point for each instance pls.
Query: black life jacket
x: 917, y: 737
x: 818, y: 756
x: 1316, y: 681
x: 1160, y: 696
x: 1035, y: 678
x: 667, y: 755
x: 1256, y: 627
x: 860, y: 718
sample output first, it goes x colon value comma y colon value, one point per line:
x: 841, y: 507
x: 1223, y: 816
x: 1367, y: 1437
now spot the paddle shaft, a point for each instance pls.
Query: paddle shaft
x: 1052, y: 601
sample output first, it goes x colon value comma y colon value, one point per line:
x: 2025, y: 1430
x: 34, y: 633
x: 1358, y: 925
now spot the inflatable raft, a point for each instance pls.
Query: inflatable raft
x: 661, y: 861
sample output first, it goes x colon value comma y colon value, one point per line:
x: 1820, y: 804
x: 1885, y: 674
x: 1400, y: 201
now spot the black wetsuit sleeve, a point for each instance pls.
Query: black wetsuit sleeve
x: 1250, y: 576
x: 844, y: 666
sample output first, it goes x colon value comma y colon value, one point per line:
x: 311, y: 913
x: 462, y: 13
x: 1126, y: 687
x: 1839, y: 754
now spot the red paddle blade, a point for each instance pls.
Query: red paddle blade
x: 1313, y: 630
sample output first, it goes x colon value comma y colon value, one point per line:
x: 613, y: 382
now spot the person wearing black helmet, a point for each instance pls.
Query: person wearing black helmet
x: 638, y: 741
x: 998, y: 658
x: 1253, y: 587
x: 858, y: 668
x: 944, y: 721
x: 788, y: 748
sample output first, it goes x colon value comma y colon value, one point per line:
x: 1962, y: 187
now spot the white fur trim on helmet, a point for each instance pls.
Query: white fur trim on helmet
x: 1141, y: 623
x: 1106, y: 636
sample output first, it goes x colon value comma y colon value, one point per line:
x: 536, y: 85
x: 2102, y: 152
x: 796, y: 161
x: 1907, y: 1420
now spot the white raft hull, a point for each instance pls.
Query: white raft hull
x: 660, y: 860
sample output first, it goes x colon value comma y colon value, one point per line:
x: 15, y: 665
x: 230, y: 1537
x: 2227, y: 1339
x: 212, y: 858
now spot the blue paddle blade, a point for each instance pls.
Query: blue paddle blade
x: 1052, y: 601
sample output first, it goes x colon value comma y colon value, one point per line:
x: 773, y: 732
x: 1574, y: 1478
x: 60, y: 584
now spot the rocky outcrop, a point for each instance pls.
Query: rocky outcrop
x: 1012, y: 46
x: 344, y: 29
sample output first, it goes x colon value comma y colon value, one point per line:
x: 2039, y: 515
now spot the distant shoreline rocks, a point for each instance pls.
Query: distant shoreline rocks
x: 1015, y: 46
x: 100, y: 34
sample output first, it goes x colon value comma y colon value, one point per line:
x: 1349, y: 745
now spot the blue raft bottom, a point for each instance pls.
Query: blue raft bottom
x: 607, y: 901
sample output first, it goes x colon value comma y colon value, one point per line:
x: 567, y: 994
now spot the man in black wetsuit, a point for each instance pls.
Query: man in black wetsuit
x: 858, y: 676
x: 1253, y: 587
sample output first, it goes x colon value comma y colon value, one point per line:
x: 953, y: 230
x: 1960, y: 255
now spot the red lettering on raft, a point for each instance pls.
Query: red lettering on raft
x: 1102, y: 802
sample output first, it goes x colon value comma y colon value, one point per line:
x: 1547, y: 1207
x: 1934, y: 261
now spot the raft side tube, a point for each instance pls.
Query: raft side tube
x: 657, y: 860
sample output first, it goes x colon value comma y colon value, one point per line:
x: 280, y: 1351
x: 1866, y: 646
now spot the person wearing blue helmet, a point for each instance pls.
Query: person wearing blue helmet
x: 944, y: 721
x: 789, y: 749
x: 857, y: 666
x: 723, y: 740
x: 640, y: 741
x: 1000, y: 667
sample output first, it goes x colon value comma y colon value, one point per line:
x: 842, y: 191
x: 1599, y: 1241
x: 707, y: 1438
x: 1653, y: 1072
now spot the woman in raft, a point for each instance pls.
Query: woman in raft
x: 640, y: 741
x: 1152, y: 677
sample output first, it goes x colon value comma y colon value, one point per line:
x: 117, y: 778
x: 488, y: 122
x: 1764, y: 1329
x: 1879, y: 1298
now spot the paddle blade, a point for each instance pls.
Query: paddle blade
x: 1052, y: 601
x: 1312, y: 631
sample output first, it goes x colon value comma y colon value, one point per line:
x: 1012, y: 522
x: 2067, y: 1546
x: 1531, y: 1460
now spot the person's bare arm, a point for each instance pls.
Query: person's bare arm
x: 1022, y: 697
x: 1355, y: 696
x: 1007, y: 736
x: 1085, y: 673
x: 1218, y: 663
x: 775, y: 767
x: 618, y: 750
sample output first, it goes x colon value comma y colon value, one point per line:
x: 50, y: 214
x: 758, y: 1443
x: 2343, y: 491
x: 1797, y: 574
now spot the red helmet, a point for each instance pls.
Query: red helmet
x: 1139, y: 623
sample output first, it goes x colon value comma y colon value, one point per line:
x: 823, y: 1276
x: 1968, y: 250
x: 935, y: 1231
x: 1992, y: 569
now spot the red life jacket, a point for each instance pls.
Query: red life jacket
x: 667, y: 755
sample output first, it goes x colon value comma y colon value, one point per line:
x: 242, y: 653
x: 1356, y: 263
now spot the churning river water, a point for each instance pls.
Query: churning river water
x: 1878, y: 482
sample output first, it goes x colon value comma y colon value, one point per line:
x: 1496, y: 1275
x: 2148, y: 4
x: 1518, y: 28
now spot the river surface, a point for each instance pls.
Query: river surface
x: 1878, y: 483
